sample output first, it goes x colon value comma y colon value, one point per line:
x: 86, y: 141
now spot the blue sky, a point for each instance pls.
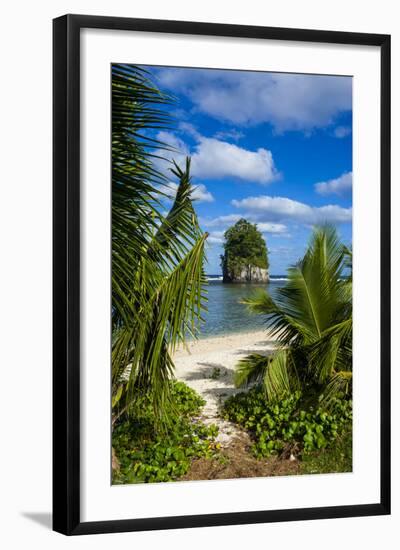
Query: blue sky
x: 273, y: 148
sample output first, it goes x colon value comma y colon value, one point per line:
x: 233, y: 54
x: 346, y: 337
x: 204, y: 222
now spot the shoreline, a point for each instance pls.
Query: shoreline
x: 208, y: 367
x: 249, y: 331
x: 245, y: 338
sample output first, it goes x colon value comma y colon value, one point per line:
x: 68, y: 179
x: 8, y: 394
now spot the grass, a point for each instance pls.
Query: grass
x: 333, y: 460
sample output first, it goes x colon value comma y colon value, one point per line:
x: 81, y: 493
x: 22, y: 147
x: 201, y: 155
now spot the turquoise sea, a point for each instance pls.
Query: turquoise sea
x: 225, y: 312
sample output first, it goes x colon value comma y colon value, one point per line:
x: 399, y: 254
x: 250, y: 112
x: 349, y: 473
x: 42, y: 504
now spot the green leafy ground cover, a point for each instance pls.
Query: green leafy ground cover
x: 293, y: 426
x: 337, y: 458
x: 148, y: 455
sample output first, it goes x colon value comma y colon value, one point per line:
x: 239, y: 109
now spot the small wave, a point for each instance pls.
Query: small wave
x: 220, y: 278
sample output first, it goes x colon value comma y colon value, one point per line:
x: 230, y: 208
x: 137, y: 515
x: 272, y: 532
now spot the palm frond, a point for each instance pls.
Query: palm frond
x: 157, y: 261
x: 332, y: 352
x: 134, y: 178
x: 339, y: 384
x: 279, y: 324
x: 251, y: 370
x: 311, y: 317
x: 281, y: 379
x: 277, y: 373
x: 179, y: 230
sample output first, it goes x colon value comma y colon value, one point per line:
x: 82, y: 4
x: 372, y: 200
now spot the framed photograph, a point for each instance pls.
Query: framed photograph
x: 221, y: 274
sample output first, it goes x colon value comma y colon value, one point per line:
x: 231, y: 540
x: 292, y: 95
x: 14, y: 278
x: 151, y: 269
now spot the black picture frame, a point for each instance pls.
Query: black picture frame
x: 66, y: 273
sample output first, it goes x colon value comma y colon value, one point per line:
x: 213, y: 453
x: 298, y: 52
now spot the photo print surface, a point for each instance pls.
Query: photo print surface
x: 231, y: 274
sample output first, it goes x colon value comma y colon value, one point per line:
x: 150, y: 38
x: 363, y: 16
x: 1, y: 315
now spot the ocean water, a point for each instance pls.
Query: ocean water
x: 225, y: 312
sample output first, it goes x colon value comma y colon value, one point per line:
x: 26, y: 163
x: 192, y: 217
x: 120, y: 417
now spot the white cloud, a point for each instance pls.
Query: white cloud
x: 174, y: 142
x: 338, y: 186
x: 218, y: 159
x: 212, y: 158
x: 265, y: 208
x: 169, y: 189
x: 230, y: 219
x: 282, y: 250
x: 216, y: 237
x: 342, y: 131
x: 188, y: 128
x: 286, y: 101
x: 221, y: 220
x: 235, y: 135
x: 199, y: 193
x: 266, y: 227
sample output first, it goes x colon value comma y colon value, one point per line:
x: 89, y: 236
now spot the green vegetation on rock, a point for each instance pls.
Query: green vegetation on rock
x: 244, y: 249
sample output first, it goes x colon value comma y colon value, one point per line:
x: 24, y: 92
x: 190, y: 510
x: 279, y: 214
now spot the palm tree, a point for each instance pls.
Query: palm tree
x: 311, y: 318
x: 157, y: 259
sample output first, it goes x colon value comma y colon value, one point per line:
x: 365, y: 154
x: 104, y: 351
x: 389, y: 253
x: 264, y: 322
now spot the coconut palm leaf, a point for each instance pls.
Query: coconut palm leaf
x: 333, y: 351
x: 281, y: 378
x: 157, y: 260
x: 167, y: 306
x: 134, y: 180
x: 179, y: 230
x: 339, y: 384
x: 310, y: 315
x: 251, y: 370
x: 277, y: 373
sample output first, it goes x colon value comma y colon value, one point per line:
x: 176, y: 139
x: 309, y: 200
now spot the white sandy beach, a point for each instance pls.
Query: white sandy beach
x: 208, y: 366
